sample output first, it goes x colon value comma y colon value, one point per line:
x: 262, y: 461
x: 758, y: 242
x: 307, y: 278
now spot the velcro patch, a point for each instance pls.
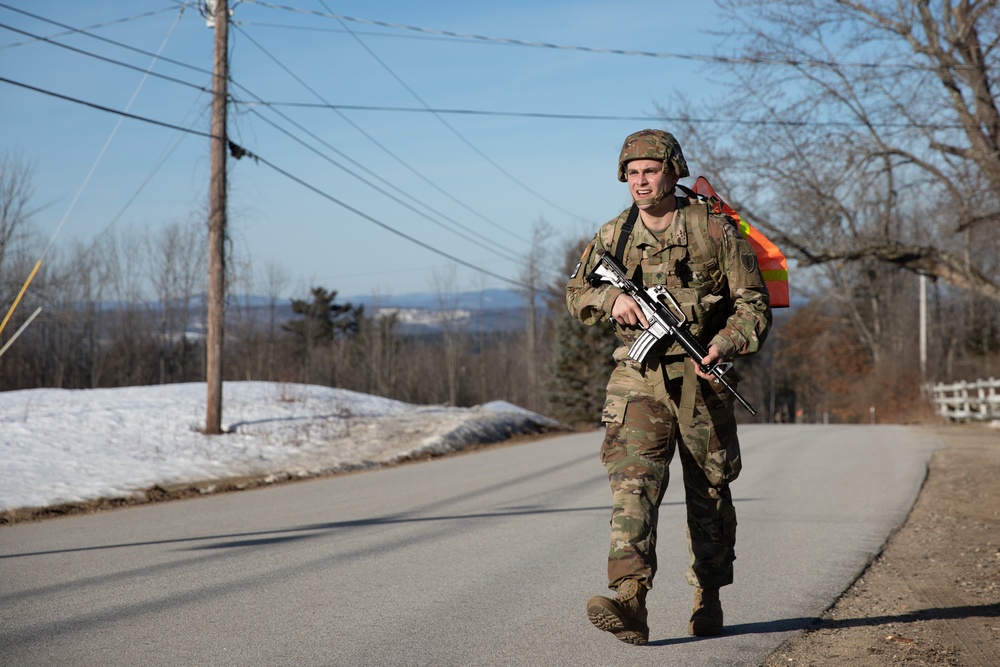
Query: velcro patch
x: 583, y: 257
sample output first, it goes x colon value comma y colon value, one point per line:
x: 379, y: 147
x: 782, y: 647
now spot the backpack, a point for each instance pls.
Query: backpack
x: 773, y: 265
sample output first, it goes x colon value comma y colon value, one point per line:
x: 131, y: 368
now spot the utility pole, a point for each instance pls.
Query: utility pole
x: 218, y: 11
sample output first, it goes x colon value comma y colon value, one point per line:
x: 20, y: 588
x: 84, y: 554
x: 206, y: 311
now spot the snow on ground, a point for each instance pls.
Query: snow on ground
x: 62, y: 445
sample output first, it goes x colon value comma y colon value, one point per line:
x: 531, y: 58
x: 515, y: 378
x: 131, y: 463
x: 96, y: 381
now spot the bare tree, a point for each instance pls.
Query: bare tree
x: 245, y: 356
x: 176, y: 268
x: 15, y: 194
x: 275, y: 281
x: 377, y: 347
x: 453, y: 321
x: 101, y: 264
x: 130, y: 336
x: 873, y: 132
x: 535, y: 276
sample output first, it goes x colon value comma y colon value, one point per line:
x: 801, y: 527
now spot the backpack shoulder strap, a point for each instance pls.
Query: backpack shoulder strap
x: 698, y: 217
x: 691, y: 194
x: 625, y: 232
x: 701, y: 207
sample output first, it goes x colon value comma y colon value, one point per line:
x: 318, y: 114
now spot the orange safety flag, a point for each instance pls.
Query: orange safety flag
x: 773, y: 264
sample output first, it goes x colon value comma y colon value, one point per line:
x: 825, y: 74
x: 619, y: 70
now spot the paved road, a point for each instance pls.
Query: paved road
x: 481, y: 559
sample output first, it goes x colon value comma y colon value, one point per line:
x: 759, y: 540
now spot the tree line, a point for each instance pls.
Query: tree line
x: 867, y: 146
x: 126, y: 308
x: 869, y: 150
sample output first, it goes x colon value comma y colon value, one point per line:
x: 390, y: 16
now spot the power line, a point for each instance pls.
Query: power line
x: 239, y: 152
x: 491, y: 247
x: 371, y: 173
x: 90, y: 54
x: 385, y: 193
x: 85, y: 32
x: 507, y: 41
x: 388, y: 228
x: 83, y: 186
x: 571, y: 116
x: 114, y: 132
x: 467, y: 112
x: 70, y: 31
x: 458, y: 134
x: 100, y: 107
x: 342, y: 31
x: 408, y: 88
x: 149, y: 178
x: 381, y: 146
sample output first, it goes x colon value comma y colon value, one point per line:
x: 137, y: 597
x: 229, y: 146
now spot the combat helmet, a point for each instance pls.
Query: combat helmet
x: 652, y: 145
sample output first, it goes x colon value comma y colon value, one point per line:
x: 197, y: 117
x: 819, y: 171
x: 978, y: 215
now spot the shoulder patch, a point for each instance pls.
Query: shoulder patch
x: 729, y: 227
x: 718, y: 227
x: 749, y: 261
x: 583, y: 258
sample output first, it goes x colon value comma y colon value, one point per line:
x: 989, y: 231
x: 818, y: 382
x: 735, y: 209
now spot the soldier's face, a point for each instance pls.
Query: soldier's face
x: 647, y: 178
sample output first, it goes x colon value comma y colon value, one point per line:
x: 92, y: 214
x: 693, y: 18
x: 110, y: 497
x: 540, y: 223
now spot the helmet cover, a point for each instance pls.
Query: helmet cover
x: 652, y: 145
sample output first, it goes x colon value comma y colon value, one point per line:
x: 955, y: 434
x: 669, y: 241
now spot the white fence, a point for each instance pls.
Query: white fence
x: 962, y: 401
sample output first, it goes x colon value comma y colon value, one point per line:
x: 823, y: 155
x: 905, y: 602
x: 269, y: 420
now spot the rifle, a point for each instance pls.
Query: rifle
x: 665, y: 317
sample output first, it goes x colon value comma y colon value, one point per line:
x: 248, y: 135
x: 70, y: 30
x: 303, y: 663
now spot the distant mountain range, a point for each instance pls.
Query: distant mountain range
x: 490, y: 299
x: 416, y: 313
x: 419, y: 312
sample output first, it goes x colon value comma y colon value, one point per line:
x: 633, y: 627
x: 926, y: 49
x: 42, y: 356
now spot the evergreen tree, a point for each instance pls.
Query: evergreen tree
x: 322, y: 319
x: 578, y: 375
x: 321, y: 323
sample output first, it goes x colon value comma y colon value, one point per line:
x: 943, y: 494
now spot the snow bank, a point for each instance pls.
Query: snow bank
x: 63, y: 446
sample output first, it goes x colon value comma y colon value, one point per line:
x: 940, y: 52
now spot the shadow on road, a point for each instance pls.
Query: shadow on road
x: 814, y: 624
x: 280, y: 535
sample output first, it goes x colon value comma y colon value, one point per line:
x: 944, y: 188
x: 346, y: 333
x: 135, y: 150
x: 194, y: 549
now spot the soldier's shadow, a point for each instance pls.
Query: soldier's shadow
x: 763, y: 627
x: 798, y: 624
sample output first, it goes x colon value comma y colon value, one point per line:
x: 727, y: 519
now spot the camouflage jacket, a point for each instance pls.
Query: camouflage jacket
x: 703, y: 261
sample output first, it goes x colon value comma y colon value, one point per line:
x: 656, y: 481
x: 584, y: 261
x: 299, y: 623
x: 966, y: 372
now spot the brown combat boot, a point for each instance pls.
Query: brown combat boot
x: 706, y: 618
x: 625, y: 616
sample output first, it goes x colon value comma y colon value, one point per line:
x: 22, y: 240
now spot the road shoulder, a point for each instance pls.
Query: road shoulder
x: 933, y: 596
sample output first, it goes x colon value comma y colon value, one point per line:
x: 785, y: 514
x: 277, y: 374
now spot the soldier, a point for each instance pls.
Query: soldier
x: 667, y: 403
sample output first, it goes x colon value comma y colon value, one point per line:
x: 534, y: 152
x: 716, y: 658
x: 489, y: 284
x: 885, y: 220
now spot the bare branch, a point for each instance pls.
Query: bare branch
x: 922, y: 260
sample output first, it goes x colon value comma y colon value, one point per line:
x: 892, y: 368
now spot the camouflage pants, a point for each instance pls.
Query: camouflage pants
x: 642, y: 435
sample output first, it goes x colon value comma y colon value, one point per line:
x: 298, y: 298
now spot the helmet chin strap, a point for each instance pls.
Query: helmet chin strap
x: 651, y: 202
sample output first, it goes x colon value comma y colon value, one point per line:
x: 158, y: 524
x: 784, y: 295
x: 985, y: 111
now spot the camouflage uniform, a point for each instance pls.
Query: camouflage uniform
x: 654, y: 406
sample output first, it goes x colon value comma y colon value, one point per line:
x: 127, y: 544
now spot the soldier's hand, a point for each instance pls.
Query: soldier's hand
x: 627, y: 312
x: 714, y: 355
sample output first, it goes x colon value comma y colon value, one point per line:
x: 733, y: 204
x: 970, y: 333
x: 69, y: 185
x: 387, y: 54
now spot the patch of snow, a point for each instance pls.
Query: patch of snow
x: 62, y: 445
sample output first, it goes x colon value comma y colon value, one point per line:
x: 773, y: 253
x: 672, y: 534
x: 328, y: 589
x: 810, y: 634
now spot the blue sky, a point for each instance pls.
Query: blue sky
x: 491, y: 177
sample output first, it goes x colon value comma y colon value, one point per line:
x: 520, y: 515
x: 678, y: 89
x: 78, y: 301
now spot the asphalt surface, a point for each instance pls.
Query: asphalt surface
x: 480, y: 559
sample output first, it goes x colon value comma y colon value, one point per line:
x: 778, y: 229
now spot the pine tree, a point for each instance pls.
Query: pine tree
x: 321, y: 323
x: 579, y: 374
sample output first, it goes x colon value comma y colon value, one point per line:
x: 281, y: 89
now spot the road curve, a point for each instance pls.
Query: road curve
x: 481, y: 559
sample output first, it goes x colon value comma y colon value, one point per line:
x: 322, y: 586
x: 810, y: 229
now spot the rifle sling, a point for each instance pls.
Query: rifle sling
x: 689, y: 392
x: 690, y: 384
